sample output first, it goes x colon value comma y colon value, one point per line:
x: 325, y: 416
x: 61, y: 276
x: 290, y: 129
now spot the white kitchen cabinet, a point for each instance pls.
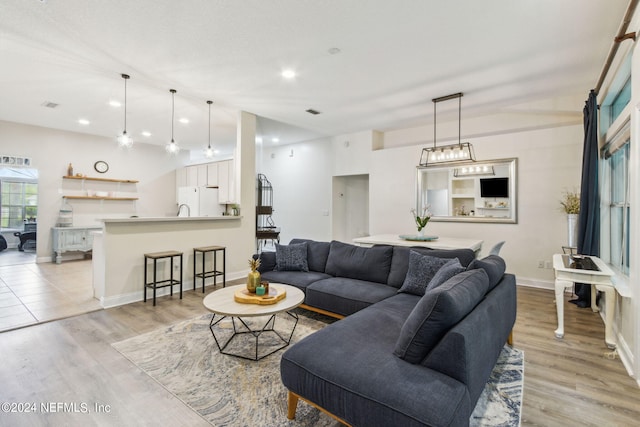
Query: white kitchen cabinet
x: 193, y: 176
x: 219, y: 175
x: 212, y: 174
x: 70, y: 239
x: 201, y: 175
x: 226, y: 182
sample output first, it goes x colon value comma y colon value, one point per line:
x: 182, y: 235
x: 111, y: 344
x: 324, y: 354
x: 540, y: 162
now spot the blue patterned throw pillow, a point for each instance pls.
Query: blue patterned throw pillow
x: 421, y: 270
x: 450, y: 269
x: 292, y: 257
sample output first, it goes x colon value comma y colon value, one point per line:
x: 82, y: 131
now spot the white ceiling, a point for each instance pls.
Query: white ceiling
x: 395, y: 56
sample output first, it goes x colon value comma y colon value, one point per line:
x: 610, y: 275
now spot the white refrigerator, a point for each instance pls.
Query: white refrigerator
x: 202, y: 201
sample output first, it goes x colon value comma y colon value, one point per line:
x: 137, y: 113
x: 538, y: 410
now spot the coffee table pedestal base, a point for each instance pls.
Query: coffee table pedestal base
x: 242, y: 329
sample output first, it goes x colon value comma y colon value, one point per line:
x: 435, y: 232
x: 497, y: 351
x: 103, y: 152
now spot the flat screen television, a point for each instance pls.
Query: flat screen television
x: 494, y: 187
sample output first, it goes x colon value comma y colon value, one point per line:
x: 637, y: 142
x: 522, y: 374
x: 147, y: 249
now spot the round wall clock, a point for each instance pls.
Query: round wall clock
x: 101, y: 166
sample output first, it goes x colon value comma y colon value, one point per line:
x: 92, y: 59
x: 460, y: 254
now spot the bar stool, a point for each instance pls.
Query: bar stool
x: 211, y: 273
x: 155, y: 256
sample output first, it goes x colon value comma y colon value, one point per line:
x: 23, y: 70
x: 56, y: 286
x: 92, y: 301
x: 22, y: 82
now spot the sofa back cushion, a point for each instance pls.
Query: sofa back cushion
x: 267, y: 261
x: 437, y: 311
x: 400, y: 261
x: 422, y: 268
x: 317, y: 253
x: 291, y: 257
x: 493, y: 265
x: 450, y: 269
x: 355, y: 262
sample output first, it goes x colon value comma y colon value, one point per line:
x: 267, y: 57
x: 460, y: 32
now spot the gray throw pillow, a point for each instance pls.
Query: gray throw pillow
x: 494, y: 265
x: 445, y: 273
x: 291, y: 257
x: 421, y: 270
x: 437, y: 312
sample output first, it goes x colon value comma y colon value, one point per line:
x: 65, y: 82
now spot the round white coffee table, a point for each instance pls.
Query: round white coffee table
x: 222, y: 304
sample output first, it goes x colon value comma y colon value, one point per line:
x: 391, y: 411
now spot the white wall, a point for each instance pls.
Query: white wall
x: 52, y: 150
x: 301, y: 188
x: 549, y: 163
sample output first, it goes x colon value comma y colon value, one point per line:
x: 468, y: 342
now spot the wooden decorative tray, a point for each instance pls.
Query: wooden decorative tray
x: 275, y: 294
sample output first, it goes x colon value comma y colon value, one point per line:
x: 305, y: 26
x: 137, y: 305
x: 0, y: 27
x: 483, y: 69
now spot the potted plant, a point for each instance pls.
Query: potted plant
x: 421, y: 220
x: 571, y: 206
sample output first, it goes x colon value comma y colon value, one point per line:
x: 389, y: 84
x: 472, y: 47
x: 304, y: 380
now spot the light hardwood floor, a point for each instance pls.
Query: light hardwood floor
x: 567, y: 382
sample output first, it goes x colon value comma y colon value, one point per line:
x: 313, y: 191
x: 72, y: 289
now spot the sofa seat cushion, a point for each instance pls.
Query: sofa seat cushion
x: 355, y: 262
x: 346, y: 296
x: 348, y: 368
x: 438, y: 310
x: 400, y: 260
x: 299, y: 279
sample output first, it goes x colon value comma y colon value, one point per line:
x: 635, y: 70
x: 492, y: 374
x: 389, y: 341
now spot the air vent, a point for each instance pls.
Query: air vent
x: 49, y: 104
x: 312, y: 111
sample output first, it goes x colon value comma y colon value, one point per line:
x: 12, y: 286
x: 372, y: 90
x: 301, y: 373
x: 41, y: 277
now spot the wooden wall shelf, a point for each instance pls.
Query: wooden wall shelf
x: 89, y: 178
x: 98, y: 198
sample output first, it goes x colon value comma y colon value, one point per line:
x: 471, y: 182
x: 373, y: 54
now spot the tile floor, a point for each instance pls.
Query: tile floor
x: 35, y: 293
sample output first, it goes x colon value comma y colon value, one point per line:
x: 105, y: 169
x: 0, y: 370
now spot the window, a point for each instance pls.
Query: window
x: 620, y: 100
x: 19, y: 203
x: 619, y: 209
x: 617, y: 98
x: 615, y: 231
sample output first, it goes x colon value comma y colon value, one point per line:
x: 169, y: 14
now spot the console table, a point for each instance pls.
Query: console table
x: 66, y: 239
x: 567, y: 273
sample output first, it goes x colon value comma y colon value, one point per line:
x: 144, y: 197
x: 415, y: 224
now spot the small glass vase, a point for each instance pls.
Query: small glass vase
x: 421, y: 232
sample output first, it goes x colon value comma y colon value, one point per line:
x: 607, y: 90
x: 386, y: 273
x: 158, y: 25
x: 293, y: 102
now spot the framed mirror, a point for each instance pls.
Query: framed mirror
x: 480, y: 191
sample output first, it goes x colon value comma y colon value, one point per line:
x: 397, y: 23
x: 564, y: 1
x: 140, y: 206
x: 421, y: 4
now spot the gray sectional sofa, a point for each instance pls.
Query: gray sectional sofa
x: 406, y: 352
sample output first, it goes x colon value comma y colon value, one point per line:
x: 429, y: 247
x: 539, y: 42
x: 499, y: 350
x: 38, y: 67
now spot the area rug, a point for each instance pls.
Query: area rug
x: 229, y: 391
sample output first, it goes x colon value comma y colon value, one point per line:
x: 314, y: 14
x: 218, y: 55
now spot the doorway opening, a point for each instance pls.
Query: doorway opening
x: 350, y: 207
x: 18, y: 215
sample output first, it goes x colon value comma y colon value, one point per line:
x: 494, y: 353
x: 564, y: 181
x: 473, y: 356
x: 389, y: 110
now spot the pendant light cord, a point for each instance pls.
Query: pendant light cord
x: 125, y: 77
x: 125, y: 104
x: 459, y: 120
x: 209, y: 102
x: 173, y: 91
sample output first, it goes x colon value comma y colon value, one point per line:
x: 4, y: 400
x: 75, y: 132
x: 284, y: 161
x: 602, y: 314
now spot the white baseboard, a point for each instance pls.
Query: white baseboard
x: 128, y: 298
x: 535, y: 283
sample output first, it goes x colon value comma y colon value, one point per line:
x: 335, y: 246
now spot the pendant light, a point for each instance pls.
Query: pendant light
x: 208, y: 152
x: 124, y: 140
x: 460, y: 152
x: 172, y: 147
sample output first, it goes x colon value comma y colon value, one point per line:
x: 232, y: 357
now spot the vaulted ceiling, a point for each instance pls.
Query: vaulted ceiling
x: 363, y: 64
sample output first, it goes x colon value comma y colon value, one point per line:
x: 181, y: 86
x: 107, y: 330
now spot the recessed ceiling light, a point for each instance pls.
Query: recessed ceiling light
x: 84, y: 121
x: 115, y: 103
x: 49, y: 104
x: 183, y: 120
x: 146, y: 133
x: 334, y: 51
x: 275, y: 139
x: 288, y: 73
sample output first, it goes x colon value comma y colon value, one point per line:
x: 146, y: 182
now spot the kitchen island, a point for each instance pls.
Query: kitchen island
x: 118, y: 249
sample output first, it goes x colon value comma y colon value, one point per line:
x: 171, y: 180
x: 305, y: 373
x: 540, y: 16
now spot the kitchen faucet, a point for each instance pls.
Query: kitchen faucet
x: 188, y: 209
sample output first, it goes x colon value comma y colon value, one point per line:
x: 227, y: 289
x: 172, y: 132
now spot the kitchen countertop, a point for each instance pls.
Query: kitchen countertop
x: 170, y: 219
